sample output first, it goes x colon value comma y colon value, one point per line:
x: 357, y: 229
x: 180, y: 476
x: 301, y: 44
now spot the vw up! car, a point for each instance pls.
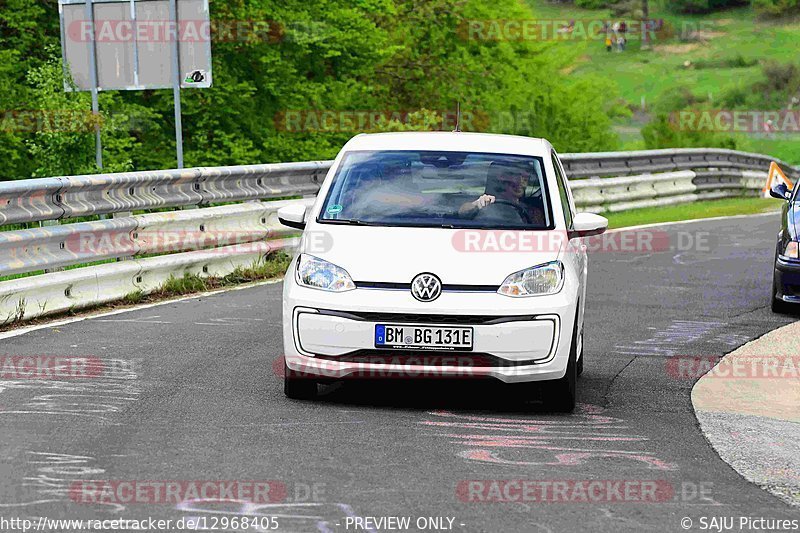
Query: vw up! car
x: 439, y: 254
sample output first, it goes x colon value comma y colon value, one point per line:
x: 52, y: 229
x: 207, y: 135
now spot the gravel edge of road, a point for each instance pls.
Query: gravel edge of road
x: 751, y: 421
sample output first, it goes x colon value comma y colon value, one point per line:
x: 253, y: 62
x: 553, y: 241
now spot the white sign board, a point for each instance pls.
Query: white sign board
x: 134, y: 43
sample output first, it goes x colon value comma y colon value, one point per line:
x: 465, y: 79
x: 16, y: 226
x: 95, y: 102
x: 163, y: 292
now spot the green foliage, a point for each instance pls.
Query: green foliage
x: 662, y: 132
x: 775, y: 8
x: 133, y: 298
x: 388, y: 57
x: 183, y: 285
x: 62, y: 142
x: 274, y: 265
x: 736, y: 61
x: 773, y: 90
x: 702, y: 6
x: 592, y: 4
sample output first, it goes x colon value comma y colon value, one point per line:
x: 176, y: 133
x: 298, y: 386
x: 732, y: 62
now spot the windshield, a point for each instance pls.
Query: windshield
x: 439, y: 189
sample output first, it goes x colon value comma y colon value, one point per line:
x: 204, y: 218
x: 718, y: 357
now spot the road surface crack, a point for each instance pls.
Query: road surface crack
x: 606, y: 402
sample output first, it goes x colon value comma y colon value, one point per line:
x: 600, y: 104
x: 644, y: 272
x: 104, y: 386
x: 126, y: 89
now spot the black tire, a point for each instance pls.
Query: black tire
x: 297, y: 386
x: 580, y: 358
x: 778, y: 305
x: 561, y: 394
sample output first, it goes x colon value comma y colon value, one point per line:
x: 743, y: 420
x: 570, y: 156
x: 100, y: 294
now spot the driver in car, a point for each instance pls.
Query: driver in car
x: 504, y: 198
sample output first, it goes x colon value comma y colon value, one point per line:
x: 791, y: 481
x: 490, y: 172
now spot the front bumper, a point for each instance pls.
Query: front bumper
x: 329, y: 335
x: 787, y: 279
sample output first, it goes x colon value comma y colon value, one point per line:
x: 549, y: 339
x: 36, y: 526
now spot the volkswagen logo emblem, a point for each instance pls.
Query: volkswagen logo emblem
x: 426, y: 287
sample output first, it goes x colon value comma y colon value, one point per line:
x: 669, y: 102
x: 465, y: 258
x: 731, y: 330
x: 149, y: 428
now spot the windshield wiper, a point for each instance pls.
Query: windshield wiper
x: 351, y: 221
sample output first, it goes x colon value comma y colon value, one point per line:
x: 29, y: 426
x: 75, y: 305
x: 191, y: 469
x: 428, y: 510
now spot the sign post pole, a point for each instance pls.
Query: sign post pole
x: 93, y: 75
x: 176, y: 79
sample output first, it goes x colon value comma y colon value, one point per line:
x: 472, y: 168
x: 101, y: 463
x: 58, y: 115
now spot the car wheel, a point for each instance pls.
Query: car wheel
x: 297, y: 386
x: 579, y: 365
x: 778, y: 305
x: 561, y: 393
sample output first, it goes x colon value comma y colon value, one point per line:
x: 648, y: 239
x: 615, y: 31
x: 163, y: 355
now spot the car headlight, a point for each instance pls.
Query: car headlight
x: 792, y: 250
x: 535, y: 281
x: 318, y: 274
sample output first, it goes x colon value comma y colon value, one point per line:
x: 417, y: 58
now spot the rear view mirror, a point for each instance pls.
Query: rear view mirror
x: 293, y: 216
x: 588, y: 224
x: 781, y: 191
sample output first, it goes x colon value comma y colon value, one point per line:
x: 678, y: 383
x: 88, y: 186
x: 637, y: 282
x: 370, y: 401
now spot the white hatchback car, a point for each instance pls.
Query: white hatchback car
x: 439, y: 255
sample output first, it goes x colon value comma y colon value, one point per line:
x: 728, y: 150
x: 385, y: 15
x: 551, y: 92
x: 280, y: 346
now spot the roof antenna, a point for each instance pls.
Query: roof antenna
x: 458, y: 118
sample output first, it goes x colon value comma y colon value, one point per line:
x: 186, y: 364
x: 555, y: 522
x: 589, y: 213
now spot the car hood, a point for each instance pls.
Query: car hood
x: 456, y: 256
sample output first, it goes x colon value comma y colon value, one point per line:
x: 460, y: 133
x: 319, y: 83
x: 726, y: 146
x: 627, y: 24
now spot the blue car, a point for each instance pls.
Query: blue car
x: 786, y: 279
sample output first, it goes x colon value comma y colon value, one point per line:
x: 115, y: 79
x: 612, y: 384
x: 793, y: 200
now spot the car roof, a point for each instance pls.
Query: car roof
x: 451, y: 142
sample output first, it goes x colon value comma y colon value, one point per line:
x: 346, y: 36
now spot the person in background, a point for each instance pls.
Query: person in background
x: 608, y: 43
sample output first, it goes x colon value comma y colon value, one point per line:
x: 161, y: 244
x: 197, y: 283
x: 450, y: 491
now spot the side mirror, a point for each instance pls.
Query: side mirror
x: 293, y: 216
x: 588, y: 224
x: 781, y: 192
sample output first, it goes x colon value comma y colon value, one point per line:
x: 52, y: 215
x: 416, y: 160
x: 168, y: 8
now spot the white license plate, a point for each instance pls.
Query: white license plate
x: 423, y: 337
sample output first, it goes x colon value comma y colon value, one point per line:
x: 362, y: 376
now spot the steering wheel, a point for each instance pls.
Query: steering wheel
x: 491, y: 211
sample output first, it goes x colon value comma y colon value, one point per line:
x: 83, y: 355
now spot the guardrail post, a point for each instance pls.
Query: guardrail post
x: 43, y: 224
x: 123, y: 214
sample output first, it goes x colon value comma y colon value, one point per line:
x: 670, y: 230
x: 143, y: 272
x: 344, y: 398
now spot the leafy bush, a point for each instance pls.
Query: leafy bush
x: 662, y: 132
x: 592, y: 4
x: 382, y: 56
x: 778, y: 84
x: 776, y: 8
x: 702, y: 6
x: 737, y: 61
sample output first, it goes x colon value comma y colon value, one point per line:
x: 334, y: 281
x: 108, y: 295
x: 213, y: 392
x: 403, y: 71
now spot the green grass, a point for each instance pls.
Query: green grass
x: 706, y: 209
x: 734, y: 37
x: 734, y: 46
x: 784, y: 147
x: 134, y: 298
x: 275, y: 265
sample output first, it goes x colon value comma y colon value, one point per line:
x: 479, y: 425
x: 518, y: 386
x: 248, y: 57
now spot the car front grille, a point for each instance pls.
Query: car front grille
x: 417, y: 318
x: 401, y: 358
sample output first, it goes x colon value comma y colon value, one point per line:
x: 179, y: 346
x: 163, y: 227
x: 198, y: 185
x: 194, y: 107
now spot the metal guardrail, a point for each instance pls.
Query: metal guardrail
x: 667, y: 188
x: 42, y: 199
x: 74, y: 196
x: 51, y: 247
x: 209, y: 241
x: 670, y: 160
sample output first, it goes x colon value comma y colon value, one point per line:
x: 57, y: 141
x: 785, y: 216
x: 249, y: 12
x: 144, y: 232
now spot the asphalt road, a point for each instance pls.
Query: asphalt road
x: 196, y: 398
